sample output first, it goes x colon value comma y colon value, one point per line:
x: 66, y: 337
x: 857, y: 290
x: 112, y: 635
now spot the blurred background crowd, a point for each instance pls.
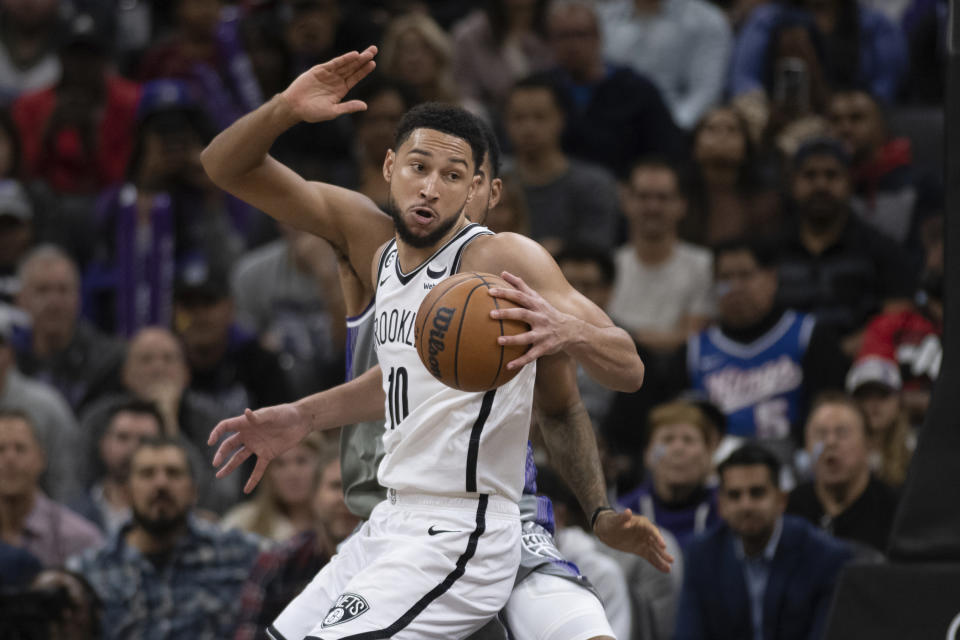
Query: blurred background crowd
x: 752, y: 188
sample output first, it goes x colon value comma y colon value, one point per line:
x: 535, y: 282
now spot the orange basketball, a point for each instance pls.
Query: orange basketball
x: 457, y: 339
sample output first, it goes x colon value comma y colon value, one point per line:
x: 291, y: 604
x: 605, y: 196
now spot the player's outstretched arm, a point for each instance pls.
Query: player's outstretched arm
x: 572, y: 446
x: 560, y: 318
x: 238, y: 161
x: 270, y: 431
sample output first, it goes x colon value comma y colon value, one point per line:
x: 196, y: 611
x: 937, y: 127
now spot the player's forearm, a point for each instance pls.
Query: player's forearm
x: 244, y: 145
x: 572, y: 446
x: 608, y: 355
x: 360, y: 400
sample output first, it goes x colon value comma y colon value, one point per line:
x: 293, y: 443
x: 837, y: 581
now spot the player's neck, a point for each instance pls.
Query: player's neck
x: 411, y: 257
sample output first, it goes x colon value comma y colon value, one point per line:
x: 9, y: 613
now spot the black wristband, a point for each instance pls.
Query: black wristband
x: 596, y: 514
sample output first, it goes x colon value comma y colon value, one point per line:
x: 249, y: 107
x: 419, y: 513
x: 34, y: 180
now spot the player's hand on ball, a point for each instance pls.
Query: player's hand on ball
x: 316, y: 93
x: 266, y: 432
x: 634, y: 534
x: 550, y: 329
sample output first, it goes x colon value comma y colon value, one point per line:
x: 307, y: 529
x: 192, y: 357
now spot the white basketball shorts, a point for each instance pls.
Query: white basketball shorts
x: 547, y: 607
x: 422, y: 567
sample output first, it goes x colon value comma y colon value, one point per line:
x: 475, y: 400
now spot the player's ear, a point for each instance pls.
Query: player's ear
x: 388, y: 162
x: 496, y: 190
x: 474, y: 185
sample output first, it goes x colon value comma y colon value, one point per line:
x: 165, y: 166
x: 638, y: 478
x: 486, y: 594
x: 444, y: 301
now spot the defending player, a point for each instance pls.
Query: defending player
x: 456, y: 581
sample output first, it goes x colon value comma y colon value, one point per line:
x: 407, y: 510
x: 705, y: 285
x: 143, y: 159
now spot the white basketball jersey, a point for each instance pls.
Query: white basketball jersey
x: 437, y: 439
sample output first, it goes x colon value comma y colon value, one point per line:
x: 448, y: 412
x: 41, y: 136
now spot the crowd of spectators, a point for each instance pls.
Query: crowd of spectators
x: 740, y: 184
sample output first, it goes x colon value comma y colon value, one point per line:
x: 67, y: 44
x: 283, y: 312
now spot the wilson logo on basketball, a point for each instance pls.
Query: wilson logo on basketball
x: 458, y: 340
x: 438, y: 334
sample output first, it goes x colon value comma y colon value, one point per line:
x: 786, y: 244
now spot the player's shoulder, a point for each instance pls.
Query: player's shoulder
x: 511, y: 252
x: 503, y: 246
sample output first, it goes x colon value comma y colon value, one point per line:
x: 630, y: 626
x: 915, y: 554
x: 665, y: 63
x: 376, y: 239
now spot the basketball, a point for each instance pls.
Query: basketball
x: 456, y: 338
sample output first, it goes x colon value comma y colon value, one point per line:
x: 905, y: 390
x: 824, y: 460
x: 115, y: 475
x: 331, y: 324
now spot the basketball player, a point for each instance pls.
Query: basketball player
x: 551, y: 599
x: 452, y: 458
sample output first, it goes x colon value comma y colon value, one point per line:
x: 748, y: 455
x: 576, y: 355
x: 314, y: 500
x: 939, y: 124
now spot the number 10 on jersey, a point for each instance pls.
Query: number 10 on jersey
x: 397, y: 395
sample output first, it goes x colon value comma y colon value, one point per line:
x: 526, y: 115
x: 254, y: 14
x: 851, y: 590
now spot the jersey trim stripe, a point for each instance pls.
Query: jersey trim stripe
x: 274, y: 634
x: 404, y: 278
x: 473, y: 451
x: 360, y: 317
x: 437, y: 591
x: 456, y: 258
x: 383, y: 258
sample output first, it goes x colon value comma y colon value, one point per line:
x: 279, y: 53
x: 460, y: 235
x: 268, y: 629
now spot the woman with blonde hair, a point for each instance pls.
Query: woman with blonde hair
x: 875, y: 383
x: 283, y: 504
x: 418, y: 52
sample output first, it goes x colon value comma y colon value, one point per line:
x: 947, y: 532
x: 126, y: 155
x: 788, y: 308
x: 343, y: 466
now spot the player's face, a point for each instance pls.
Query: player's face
x: 836, y: 439
x: 487, y: 195
x: 749, y: 501
x: 431, y: 180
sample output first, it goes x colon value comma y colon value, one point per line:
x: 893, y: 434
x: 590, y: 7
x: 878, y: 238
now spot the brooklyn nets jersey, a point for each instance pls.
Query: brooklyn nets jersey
x: 437, y: 439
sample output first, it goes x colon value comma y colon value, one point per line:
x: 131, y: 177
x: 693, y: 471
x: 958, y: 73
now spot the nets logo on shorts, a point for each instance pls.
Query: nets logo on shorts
x: 348, y: 607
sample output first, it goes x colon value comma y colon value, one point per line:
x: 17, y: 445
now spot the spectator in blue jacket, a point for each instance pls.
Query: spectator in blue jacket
x: 760, y: 575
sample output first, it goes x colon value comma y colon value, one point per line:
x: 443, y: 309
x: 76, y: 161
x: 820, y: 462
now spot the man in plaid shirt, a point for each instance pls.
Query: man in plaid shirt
x: 167, y: 574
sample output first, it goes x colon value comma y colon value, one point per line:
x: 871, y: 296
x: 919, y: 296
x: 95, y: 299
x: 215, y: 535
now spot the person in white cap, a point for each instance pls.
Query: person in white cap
x: 875, y: 383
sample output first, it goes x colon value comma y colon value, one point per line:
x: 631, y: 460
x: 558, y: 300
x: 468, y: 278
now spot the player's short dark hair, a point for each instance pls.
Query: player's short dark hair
x: 137, y: 406
x: 749, y: 455
x: 445, y: 118
x: 580, y: 252
x: 493, y: 148
x: 545, y: 81
x: 762, y: 249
